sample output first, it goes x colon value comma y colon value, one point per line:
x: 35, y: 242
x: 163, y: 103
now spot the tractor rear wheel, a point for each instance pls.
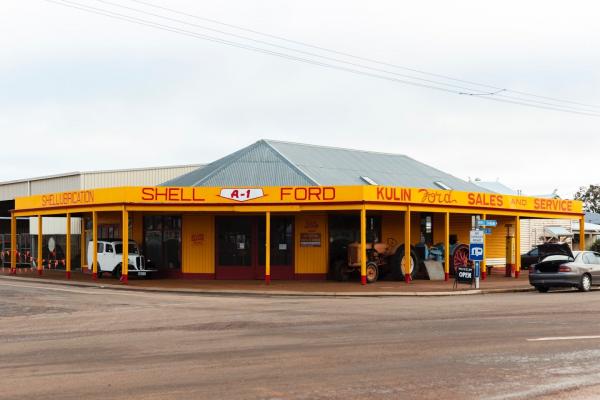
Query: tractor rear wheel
x: 340, y: 271
x: 459, y: 258
x: 398, y: 264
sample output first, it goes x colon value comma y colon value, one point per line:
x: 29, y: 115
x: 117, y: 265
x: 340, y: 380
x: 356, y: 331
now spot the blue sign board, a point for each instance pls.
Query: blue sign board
x: 476, y: 252
x: 488, y: 222
x: 487, y: 231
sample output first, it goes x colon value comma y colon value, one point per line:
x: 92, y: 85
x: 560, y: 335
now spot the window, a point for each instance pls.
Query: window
x: 534, y: 252
x: 369, y: 180
x: 100, y: 248
x: 162, y: 240
x: 442, y: 185
x: 282, y: 241
x: 427, y: 228
x: 132, y: 248
x: 588, y: 258
x: 234, y: 241
x: 109, y: 248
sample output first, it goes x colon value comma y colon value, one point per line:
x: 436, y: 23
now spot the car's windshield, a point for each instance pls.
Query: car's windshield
x: 132, y: 248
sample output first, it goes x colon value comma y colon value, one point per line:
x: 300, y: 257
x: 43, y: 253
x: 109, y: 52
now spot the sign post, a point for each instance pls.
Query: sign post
x: 476, y: 252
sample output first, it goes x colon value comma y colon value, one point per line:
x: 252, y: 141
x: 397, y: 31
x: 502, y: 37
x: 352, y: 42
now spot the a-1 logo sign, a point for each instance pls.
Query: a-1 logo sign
x: 476, y: 252
x: 242, y: 194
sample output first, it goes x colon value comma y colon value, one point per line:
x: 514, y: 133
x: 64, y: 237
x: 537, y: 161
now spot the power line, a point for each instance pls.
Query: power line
x: 355, y: 56
x: 464, y: 90
x: 148, y: 23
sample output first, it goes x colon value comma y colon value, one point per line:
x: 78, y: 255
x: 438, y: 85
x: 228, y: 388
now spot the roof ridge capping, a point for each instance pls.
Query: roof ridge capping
x: 332, y: 147
x: 288, y: 161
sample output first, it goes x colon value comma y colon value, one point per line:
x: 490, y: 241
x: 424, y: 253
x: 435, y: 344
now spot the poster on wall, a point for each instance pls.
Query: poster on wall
x: 310, y: 239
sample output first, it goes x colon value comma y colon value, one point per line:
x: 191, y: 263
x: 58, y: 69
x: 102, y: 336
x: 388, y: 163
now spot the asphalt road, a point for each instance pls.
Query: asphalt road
x: 60, y: 342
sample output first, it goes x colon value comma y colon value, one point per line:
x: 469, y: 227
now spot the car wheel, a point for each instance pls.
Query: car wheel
x: 372, y: 272
x: 542, y: 289
x: 117, y: 271
x: 99, y: 272
x: 586, y: 283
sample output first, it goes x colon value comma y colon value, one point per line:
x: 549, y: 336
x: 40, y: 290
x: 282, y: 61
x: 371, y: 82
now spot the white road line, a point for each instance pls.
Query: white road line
x: 547, y: 339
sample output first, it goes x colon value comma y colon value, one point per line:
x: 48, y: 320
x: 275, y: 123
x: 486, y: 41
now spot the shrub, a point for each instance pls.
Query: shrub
x: 595, y: 246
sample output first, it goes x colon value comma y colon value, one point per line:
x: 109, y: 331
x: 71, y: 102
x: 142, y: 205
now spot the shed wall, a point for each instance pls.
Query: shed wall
x: 142, y: 177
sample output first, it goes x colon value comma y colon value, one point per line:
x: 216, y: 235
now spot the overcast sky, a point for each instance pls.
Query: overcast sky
x: 80, y: 91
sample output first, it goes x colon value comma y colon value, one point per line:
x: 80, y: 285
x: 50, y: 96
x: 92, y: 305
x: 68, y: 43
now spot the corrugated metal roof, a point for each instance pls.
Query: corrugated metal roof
x: 275, y: 163
x: 256, y: 165
x: 496, y: 187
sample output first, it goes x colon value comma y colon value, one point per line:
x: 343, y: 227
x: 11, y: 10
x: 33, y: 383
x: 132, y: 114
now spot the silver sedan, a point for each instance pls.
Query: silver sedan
x: 558, y: 266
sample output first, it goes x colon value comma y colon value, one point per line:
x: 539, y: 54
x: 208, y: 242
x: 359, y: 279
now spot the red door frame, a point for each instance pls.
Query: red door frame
x: 254, y: 271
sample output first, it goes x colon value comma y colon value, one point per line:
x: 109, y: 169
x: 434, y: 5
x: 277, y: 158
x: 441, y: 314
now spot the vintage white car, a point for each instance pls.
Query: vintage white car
x: 110, y: 258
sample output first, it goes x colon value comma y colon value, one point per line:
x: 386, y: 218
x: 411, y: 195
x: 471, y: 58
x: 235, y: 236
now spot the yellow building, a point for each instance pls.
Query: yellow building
x: 197, y: 227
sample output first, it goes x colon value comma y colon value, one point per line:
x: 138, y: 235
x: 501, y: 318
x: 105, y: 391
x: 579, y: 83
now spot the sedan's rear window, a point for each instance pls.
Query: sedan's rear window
x: 555, y: 257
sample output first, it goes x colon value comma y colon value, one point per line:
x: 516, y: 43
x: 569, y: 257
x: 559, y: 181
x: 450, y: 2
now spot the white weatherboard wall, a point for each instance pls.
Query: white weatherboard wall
x: 55, y: 226
x: 532, y: 229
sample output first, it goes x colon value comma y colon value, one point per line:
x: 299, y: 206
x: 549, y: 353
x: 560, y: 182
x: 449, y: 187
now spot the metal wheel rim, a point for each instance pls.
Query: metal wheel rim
x: 371, y: 274
x: 461, y: 258
x: 412, y: 265
x: 586, y: 283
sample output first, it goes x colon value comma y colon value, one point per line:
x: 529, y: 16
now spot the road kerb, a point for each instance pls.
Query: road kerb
x: 230, y: 292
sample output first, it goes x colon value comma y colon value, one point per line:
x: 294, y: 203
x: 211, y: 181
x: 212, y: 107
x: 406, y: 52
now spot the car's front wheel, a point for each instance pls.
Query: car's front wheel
x: 586, y: 283
x: 117, y: 271
x: 542, y: 289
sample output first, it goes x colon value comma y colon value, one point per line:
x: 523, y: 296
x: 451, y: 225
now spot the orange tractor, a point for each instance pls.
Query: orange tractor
x: 385, y: 258
x: 382, y: 258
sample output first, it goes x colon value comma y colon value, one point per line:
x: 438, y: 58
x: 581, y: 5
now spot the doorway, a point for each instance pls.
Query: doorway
x: 240, y: 252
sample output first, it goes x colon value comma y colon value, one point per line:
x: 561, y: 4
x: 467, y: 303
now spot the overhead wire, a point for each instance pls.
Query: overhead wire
x: 464, y: 90
x: 301, y: 43
x: 430, y: 84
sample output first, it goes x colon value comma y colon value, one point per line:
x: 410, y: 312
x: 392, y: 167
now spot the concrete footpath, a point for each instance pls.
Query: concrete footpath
x: 494, y: 284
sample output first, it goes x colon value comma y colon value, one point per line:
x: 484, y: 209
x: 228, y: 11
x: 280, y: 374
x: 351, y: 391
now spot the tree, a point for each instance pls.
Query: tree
x: 590, y: 197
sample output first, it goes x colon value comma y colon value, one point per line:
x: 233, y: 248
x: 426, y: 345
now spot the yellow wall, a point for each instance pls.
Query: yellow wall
x: 438, y: 228
x: 311, y: 260
x: 198, y: 244
x: 392, y: 229
x: 137, y: 233
x: 495, y: 244
x: 460, y: 225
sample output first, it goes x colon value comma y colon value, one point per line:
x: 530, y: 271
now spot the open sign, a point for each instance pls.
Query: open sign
x: 464, y: 275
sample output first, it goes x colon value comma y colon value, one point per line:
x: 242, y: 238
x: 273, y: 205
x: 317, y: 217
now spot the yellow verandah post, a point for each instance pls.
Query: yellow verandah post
x: 40, y: 246
x: 484, y: 262
x: 95, y: 245
x: 363, y: 245
x: 82, y: 251
x: 582, y: 234
x: 13, y: 244
x: 125, y: 242
x: 407, y: 258
x: 268, y: 248
x: 68, y: 244
x: 446, y: 246
x: 517, y: 246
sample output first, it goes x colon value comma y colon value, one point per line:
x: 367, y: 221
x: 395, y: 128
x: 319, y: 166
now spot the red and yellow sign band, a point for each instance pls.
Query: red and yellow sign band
x: 296, y: 195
